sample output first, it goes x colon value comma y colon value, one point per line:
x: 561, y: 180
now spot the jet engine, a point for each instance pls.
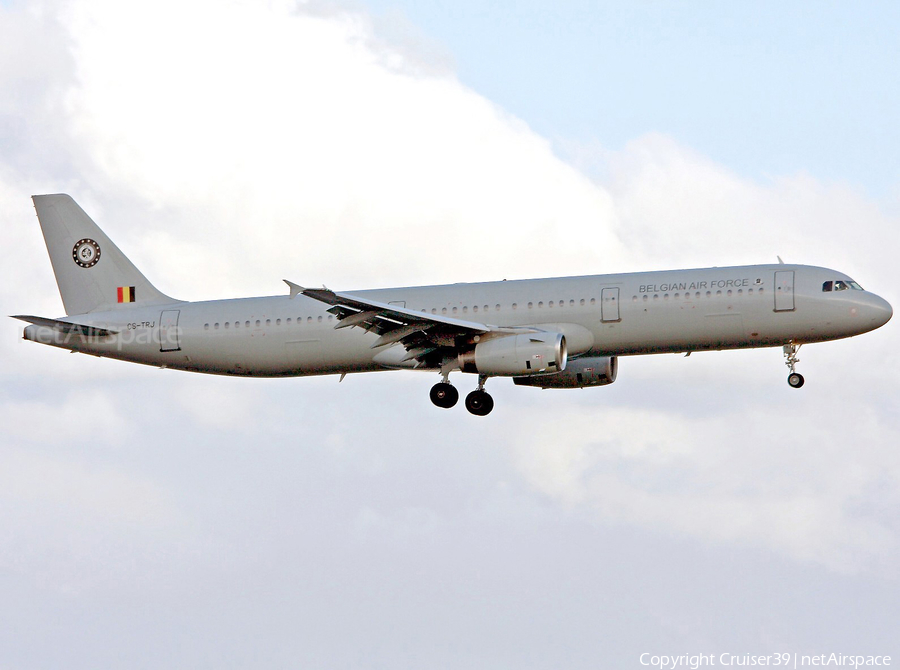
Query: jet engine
x: 530, y: 354
x: 579, y: 373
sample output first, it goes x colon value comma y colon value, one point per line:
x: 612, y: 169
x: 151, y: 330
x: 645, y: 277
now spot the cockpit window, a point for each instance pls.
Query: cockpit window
x: 841, y: 285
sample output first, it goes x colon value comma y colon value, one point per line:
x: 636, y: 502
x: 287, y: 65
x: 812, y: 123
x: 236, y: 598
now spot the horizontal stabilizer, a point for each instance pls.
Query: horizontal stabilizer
x: 66, y: 326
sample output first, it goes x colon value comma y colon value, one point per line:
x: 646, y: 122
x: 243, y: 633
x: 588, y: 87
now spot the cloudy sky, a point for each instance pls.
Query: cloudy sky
x: 157, y: 519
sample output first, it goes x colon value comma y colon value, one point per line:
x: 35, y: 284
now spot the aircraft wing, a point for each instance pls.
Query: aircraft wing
x: 422, y: 334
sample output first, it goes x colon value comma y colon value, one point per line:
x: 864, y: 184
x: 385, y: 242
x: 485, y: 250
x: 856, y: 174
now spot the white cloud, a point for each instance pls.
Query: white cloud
x: 85, y: 416
x: 304, y: 155
x: 672, y: 201
x: 789, y: 483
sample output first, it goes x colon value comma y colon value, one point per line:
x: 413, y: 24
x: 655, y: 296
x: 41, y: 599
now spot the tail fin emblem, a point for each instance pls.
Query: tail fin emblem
x: 86, y: 253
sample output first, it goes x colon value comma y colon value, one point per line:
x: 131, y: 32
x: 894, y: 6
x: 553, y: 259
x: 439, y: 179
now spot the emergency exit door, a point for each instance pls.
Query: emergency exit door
x: 784, y: 290
x: 609, y: 305
x: 169, y: 335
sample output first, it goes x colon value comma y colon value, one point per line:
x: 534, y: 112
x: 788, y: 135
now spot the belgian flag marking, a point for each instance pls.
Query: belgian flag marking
x: 126, y: 293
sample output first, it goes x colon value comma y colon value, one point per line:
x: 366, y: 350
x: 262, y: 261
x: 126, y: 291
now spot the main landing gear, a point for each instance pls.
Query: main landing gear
x: 444, y: 394
x: 479, y: 402
x: 795, y: 379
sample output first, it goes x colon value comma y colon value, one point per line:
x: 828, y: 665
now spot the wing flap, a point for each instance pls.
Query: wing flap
x: 430, y: 339
x: 384, y: 311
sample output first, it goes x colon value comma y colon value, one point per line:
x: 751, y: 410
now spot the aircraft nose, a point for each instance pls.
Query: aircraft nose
x: 880, y: 310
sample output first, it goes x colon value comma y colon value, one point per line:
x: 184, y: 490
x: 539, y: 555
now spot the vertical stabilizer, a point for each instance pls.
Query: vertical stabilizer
x: 91, y: 272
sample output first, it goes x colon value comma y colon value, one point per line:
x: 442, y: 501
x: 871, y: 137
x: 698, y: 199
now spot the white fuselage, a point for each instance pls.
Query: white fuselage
x: 602, y: 315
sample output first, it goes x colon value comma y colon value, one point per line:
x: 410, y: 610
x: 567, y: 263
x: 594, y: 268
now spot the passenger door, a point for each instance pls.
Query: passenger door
x: 784, y: 291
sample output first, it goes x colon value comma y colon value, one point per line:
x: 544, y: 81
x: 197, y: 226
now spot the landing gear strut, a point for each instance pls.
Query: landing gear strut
x: 795, y: 379
x: 479, y: 402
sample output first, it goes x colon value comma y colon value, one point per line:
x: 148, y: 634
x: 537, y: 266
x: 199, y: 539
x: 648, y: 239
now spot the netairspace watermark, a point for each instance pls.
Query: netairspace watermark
x: 697, y: 661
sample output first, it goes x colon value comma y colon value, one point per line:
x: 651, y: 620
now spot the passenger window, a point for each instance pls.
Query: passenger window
x: 277, y: 322
x: 258, y: 323
x: 268, y: 322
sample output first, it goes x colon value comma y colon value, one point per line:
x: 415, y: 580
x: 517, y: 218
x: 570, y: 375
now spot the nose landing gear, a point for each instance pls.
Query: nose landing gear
x: 795, y: 379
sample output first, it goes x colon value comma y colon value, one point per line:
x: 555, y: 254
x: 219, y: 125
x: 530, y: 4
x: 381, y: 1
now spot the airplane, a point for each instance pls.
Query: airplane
x: 556, y: 333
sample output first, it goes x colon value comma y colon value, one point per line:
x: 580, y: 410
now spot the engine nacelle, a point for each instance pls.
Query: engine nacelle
x: 579, y: 373
x: 531, y: 354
